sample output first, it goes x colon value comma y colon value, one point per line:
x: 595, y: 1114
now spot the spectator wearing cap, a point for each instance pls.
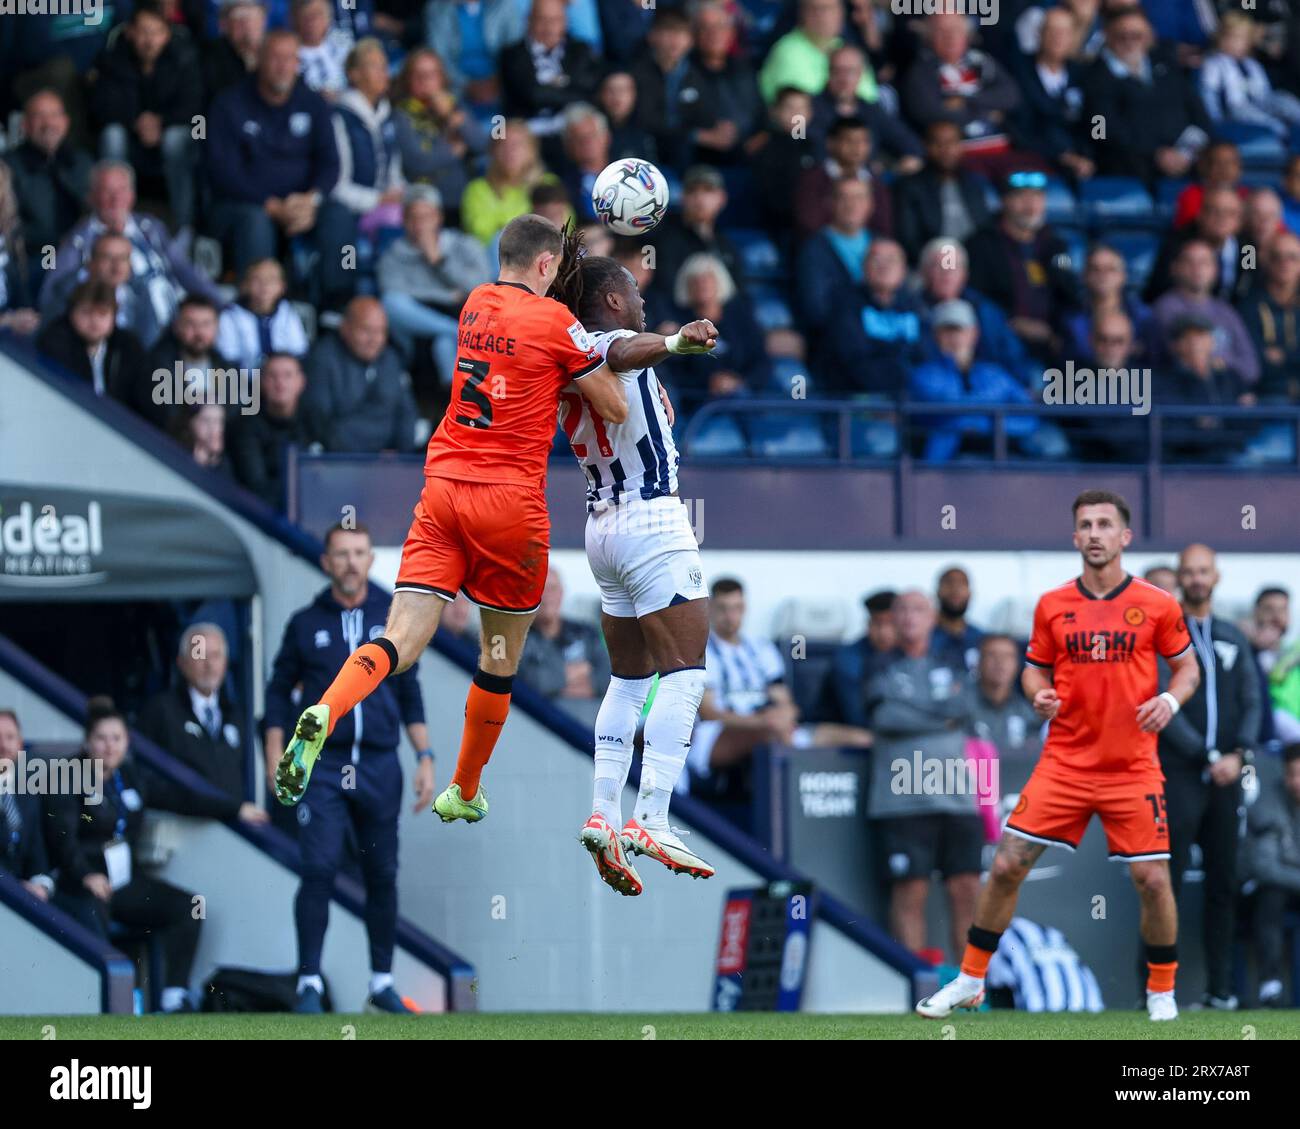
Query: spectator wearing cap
x: 695, y: 227
x: 426, y: 275
x: 51, y: 176
x: 875, y: 337
x: 231, y: 56
x: 1236, y: 87
x: 1218, y: 166
x: 1025, y: 266
x: 738, y: 365
x: 1272, y: 317
x: 261, y: 320
x: 727, y: 86
x: 894, y: 139
x: 469, y: 38
x: 87, y: 342
x: 957, y: 376
x: 358, y: 394
x: 670, y: 99
x: 258, y: 443
x: 943, y: 199
x: 781, y: 155
x: 1194, y: 272
x: 1220, y: 224
x: 848, y: 154
x: 586, y: 154
x: 1155, y: 122
x: 435, y: 136
x: 159, y: 266
x: 801, y: 57
x: 273, y: 162
x: 856, y: 664
x: 545, y: 72
x: 830, y: 263
x: 1050, y: 118
x: 1192, y: 378
x: 945, y: 275
x: 1105, y: 291
x: 955, y: 82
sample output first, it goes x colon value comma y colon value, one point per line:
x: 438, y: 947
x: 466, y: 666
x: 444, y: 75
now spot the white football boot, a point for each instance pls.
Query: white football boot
x: 1161, y: 1006
x: 664, y: 845
x: 964, y: 992
x: 612, y: 864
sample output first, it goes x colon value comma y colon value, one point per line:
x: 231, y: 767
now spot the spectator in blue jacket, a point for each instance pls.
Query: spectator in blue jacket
x: 957, y: 376
x: 357, y: 783
x: 273, y: 162
x: 468, y: 36
x: 831, y: 261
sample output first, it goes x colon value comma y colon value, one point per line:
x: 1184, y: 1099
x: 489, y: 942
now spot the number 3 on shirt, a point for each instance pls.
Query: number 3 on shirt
x: 471, y: 393
x: 575, y: 404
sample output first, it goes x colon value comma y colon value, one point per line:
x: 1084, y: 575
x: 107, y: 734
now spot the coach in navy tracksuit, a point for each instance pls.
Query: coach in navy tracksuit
x: 358, y: 779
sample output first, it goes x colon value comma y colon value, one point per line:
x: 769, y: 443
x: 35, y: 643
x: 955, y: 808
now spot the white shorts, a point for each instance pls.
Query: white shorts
x: 644, y: 556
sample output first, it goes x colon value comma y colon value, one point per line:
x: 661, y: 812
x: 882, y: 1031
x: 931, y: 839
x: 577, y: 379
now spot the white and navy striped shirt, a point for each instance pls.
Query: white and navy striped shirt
x: 1043, y: 972
x: 634, y: 459
x: 741, y: 674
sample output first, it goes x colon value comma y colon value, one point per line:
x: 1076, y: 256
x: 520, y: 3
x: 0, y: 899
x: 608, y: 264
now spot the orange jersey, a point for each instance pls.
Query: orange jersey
x: 514, y: 353
x: 1102, y: 655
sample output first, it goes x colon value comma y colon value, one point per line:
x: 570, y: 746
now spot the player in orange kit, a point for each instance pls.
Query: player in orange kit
x: 1091, y: 672
x: 481, y: 525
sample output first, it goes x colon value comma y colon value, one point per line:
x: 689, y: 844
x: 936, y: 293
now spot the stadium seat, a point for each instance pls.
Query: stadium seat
x: 719, y: 437
x: 675, y: 189
x: 1167, y: 193
x: 784, y: 371
x: 808, y: 675
x: 1139, y: 250
x: 760, y: 257
x: 873, y: 438
x: 1062, y: 207
x: 780, y: 436
x: 1117, y: 201
x: 1076, y: 238
x: 742, y: 201
x: 820, y: 619
x: 770, y: 309
x: 1259, y: 146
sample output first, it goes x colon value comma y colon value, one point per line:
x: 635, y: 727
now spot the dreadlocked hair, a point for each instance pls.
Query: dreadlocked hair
x: 567, y: 287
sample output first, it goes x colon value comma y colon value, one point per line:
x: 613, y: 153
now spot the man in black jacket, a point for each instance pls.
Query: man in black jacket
x: 258, y: 443
x: 51, y: 175
x: 87, y: 343
x: 940, y: 200
x: 146, y: 95
x: 1202, y: 752
x: 195, y: 721
x: 669, y: 101
x: 22, y: 817
x: 232, y: 57
x: 357, y: 784
x: 1025, y: 267
x: 191, y: 342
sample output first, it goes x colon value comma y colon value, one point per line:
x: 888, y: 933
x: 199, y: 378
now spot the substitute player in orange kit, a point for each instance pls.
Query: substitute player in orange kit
x: 1091, y: 672
x: 481, y: 524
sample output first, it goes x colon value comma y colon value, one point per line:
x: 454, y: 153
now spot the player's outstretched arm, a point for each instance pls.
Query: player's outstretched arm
x: 627, y: 354
x: 1155, y: 713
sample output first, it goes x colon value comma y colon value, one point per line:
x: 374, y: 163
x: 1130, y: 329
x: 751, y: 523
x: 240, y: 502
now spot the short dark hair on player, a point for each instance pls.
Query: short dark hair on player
x: 1101, y: 498
x: 1265, y: 593
x: 339, y: 527
x: 725, y: 586
x: 525, y: 237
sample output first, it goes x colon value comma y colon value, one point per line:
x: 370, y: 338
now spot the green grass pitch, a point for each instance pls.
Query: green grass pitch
x: 1122, y: 1025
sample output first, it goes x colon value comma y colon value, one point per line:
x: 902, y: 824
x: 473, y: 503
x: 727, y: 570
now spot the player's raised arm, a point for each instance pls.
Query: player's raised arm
x: 643, y: 350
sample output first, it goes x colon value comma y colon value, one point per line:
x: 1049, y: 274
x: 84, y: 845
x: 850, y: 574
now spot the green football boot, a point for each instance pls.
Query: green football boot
x: 451, y: 805
x: 294, y: 769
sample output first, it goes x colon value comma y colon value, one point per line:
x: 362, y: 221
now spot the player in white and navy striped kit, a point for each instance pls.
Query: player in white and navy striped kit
x: 646, y: 561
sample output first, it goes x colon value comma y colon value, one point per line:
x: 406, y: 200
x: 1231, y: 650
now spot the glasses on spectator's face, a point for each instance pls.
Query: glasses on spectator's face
x: 1112, y: 339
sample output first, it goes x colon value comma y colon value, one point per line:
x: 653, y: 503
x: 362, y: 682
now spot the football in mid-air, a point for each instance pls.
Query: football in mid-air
x: 630, y: 196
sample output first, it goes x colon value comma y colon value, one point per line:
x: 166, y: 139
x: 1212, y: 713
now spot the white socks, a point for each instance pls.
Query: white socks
x: 620, y: 710
x: 311, y: 982
x: 379, y: 981
x: 667, y: 742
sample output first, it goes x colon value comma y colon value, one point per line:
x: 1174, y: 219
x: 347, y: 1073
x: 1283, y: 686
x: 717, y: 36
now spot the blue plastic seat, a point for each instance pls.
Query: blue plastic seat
x: 742, y: 197
x: 1167, y: 193
x: 1062, y: 207
x: 784, y: 371
x: 719, y: 437
x: 1259, y: 146
x: 760, y: 258
x: 1117, y: 201
x: 1076, y: 238
x: 771, y: 310
x: 780, y: 436
x: 1139, y: 250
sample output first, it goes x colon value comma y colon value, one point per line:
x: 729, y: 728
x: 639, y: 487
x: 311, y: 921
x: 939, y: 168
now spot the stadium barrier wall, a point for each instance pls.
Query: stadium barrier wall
x: 544, y: 943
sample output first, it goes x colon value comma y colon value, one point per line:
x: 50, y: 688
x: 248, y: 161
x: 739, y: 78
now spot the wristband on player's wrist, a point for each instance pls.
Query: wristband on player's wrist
x: 673, y: 342
x: 1173, y: 702
x: 423, y: 754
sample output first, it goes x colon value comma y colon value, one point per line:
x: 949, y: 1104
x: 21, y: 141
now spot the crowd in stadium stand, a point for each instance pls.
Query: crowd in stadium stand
x: 886, y: 207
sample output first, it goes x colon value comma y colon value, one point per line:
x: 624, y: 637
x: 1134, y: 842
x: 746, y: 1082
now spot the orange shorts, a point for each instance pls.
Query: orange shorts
x: 1054, y: 808
x: 489, y: 540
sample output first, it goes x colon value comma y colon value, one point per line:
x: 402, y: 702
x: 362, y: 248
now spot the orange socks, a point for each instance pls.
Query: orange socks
x: 367, y: 667
x: 486, y: 708
x: 1162, y: 963
x: 981, y: 944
